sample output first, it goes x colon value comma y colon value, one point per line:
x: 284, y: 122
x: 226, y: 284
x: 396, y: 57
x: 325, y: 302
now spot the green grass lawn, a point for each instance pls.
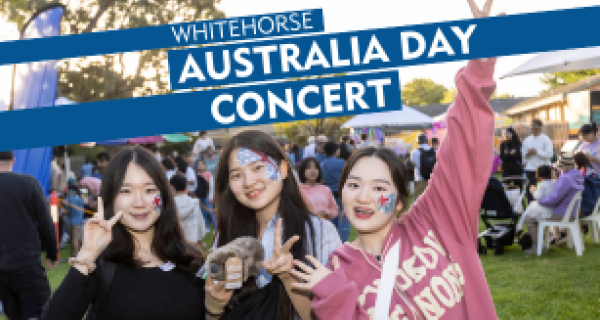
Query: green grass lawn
x: 558, y: 285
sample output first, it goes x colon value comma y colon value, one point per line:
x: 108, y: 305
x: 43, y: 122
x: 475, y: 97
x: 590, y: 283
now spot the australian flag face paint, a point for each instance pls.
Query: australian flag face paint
x: 246, y: 156
x: 385, y: 204
x: 157, y: 204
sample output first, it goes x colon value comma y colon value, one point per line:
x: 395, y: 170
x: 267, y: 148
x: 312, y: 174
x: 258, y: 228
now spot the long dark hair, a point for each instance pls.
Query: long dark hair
x: 515, y: 141
x: 235, y: 220
x: 304, y: 165
x: 168, y: 243
x: 589, y: 128
x: 397, y: 169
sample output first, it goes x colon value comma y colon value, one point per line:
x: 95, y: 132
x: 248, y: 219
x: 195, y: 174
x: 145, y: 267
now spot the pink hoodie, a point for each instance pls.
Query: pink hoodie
x: 440, y: 274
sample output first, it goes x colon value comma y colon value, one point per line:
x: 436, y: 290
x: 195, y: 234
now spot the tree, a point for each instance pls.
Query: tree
x: 558, y: 79
x: 449, y: 96
x: 422, y: 91
x: 118, y: 75
x: 497, y: 95
x: 299, y: 131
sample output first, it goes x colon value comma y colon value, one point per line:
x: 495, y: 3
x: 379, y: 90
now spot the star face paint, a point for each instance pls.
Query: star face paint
x: 385, y: 204
x: 157, y: 204
x: 247, y: 156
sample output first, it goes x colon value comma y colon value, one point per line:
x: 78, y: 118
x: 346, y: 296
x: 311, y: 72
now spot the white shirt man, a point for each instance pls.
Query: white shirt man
x: 201, y: 144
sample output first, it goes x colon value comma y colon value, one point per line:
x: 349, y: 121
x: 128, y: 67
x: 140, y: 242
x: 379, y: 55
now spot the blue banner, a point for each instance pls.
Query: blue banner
x: 206, y: 110
x: 382, y: 48
x: 34, y: 86
x: 166, y: 36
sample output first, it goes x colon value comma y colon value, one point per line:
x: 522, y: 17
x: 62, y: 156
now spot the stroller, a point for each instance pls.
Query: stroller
x: 497, y: 206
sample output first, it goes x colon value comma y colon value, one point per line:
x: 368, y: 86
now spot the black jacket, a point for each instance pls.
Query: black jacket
x: 24, y: 220
x: 512, y: 164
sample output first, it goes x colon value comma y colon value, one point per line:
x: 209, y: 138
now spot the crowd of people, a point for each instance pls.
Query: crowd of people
x: 138, y: 220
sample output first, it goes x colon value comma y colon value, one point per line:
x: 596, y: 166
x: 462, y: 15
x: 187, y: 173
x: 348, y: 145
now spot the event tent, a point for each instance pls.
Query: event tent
x: 406, y: 119
x: 564, y: 60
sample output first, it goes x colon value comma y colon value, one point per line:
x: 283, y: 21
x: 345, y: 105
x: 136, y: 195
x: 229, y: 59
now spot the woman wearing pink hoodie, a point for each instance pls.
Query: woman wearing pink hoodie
x: 434, y: 270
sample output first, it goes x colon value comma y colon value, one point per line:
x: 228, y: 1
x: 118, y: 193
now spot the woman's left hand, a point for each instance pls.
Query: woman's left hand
x: 312, y: 276
x: 217, y: 297
x: 281, y: 262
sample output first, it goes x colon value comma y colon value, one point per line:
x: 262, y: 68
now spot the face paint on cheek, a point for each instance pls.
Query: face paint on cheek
x: 157, y: 204
x: 385, y: 204
x: 246, y: 156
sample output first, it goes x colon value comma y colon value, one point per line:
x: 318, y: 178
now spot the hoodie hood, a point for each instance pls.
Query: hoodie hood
x: 574, y: 179
x: 186, y: 205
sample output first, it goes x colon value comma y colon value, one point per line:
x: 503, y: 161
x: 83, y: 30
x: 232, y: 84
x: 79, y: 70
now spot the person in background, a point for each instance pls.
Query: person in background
x: 297, y: 155
x: 88, y: 168
x: 421, y: 156
x: 496, y: 163
x: 92, y: 184
x: 25, y: 224
x: 74, y: 216
x: 319, y: 197
x: 319, y: 151
x: 510, y: 154
x: 332, y: 168
x: 203, y: 142
x: 365, y: 142
x: 568, y: 184
x: 188, y: 210
x: 205, y: 192
x: 190, y: 172
x: 588, y: 133
x: 309, y: 150
x: 345, y: 150
x: 291, y: 155
x: 536, y: 151
x: 102, y: 158
x: 410, y: 169
x: 169, y: 167
x: 211, y: 158
x: 60, y: 180
x: 156, y: 153
x: 435, y: 143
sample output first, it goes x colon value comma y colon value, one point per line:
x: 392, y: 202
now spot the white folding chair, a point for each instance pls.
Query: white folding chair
x: 593, y: 222
x: 573, y: 228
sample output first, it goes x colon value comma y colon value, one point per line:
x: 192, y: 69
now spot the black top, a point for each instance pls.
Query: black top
x: 24, y: 212
x: 511, y: 163
x: 144, y: 293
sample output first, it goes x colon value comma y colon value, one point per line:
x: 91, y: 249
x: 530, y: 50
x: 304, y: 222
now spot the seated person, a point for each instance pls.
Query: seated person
x: 568, y: 185
x: 544, y: 189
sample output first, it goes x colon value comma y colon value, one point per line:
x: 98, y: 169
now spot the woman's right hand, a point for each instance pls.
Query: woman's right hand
x: 97, y: 233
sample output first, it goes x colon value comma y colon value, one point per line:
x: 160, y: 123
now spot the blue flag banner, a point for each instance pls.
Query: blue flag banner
x: 166, y: 36
x: 381, y: 48
x: 34, y: 86
x: 207, y: 110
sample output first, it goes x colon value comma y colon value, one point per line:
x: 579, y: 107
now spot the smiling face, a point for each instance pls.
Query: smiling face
x: 369, y: 196
x: 312, y: 172
x: 254, y: 178
x: 139, y: 198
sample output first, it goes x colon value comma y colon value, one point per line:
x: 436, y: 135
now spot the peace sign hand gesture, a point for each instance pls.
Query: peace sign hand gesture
x: 312, y: 276
x: 97, y: 233
x: 478, y: 13
x: 281, y: 262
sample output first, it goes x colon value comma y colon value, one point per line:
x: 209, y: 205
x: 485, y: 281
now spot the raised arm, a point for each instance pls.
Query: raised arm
x: 459, y: 179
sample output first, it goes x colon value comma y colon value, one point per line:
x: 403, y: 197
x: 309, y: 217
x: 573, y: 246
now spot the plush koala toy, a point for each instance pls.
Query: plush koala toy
x: 247, y: 249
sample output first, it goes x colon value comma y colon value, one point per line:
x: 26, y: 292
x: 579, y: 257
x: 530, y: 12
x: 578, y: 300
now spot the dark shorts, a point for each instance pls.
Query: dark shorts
x: 24, y: 292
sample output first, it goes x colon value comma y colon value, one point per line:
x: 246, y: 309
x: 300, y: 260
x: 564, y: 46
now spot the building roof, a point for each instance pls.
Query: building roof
x: 498, y: 105
x: 550, y: 96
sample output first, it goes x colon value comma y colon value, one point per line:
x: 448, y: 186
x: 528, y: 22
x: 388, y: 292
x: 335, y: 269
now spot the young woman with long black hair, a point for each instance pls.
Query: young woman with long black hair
x: 256, y: 195
x: 510, y: 154
x: 146, y: 270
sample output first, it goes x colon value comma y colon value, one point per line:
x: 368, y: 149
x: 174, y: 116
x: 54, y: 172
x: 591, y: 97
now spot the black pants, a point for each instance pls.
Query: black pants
x: 24, y: 292
x: 530, y: 181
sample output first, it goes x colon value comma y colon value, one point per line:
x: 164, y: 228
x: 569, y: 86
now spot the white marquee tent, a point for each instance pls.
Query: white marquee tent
x: 408, y: 119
